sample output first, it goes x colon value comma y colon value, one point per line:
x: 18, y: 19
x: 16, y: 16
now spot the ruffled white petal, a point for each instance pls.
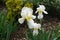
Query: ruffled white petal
x: 40, y: 16
x: 42, y: 7
x: 37, y: 26
x: 31, y: 24
x: 21, y: 20
x: 30, y: 11
x: 26, y: 11
x: 23, y: 14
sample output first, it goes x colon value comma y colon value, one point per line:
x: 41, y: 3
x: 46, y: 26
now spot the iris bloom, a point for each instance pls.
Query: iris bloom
x: 41, y: 10
x: 26, y: 13
x: 36, y: 27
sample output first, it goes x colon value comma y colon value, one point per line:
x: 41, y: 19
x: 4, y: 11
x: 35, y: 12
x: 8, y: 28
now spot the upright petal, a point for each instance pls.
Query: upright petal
x: 21, y: 20
x: 30, y: 11
x: 26, y: 11
x: 42, y: 7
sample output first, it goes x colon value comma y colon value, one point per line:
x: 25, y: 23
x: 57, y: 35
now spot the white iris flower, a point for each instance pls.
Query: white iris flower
x: 41, y: 10
x: 36, y: 27
x: 26, y: 13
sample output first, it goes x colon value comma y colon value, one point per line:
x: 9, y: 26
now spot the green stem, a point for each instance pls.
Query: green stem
x: 41, y: 22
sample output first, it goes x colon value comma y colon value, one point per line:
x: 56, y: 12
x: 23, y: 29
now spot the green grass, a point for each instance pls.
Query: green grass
x: 6, y: 28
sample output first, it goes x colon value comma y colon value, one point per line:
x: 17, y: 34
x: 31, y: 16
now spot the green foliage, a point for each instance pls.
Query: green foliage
x: 53, y: 34
x: 14, y: 7
x: 28, y: 4
x: 52, y: 6
x: 51, y: 3
x: 6, y: 28
x: 56, y: 33
x: 42, y: 35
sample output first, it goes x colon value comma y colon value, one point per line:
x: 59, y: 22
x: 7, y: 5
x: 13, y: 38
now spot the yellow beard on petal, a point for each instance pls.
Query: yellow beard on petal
x: 40, y: 11
x: 28, y: 18
x: 35, y: 28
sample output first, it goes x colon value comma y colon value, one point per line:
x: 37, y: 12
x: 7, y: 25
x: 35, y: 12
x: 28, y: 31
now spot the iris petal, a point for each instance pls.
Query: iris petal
x: 35, y: 32
x: 33, y: 17
x: 45, y: 12
x: 40, y: 16
x: 21, y: 20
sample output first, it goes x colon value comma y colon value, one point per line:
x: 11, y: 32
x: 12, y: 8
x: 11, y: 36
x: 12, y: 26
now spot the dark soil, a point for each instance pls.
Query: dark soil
x: 48, y: 24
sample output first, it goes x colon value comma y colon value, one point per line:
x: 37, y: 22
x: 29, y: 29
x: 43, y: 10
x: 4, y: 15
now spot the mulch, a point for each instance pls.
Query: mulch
x: 48, y: 24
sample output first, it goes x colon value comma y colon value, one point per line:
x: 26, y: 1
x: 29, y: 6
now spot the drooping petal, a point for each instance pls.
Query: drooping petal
x: 40, y: 16
x: 45, y: 12
x: 36, y: 26
x: 21, y: 20
x: 35, y: 32
x: 31, y: 24
x: 33, y: 17
x: 39, y: 26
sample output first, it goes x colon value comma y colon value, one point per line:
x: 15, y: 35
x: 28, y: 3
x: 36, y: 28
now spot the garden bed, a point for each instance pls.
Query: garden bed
x: 48, y: 24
